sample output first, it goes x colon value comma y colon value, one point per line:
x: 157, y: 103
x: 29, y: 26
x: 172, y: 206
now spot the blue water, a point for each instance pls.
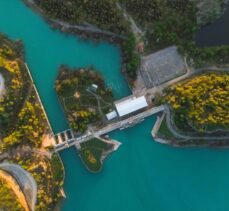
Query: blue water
x: 142, y: 175
x: 46, y: 50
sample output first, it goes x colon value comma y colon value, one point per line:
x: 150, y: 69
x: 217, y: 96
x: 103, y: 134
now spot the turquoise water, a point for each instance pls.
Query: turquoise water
x: 146, y: 176
x: 142, y: 175
x: 46, y: 50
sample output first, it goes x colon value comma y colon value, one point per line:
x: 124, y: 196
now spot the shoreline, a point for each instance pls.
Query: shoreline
x: 176, y: 142
x: 84, y: 31
x: 85, y: 34
x: 104, y: 155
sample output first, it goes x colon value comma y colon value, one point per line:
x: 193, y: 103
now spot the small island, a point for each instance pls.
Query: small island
x: 86, y: 101
x: 94, y: 151
x: 84, y: 97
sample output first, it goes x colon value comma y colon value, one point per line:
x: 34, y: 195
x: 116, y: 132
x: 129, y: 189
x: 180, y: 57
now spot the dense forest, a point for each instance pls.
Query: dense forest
x: 23, y: 124
x: 163, y: 23
x: 202, y: 102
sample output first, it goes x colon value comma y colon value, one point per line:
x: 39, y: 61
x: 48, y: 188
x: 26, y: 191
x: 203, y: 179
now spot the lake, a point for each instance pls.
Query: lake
x: 142, y: 175
x: 216, y: 33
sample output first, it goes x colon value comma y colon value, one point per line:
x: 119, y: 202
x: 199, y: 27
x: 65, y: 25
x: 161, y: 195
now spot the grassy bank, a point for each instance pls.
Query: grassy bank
x: 23, y: 125
x: 93, y: 152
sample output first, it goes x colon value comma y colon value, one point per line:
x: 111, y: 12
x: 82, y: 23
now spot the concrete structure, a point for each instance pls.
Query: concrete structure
x: 122, y: 124
x: 131, y: 105
x: 94, y: 87
x: 161, y: 67
x: 112, y: 115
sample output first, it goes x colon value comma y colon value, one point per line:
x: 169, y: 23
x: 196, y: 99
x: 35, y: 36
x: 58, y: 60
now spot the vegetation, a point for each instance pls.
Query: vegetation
x: 20, y: 112
x: 8, y: 200
x: 101, y: 13
x: 201, y: 103
x: 131, y: 57
x: 92, y: 152
x: 175, y: 23
x: 164, y: 130
x: 83, y: 103
x: 47, y: 173
x: 164, y: 22
x: 23, y: 125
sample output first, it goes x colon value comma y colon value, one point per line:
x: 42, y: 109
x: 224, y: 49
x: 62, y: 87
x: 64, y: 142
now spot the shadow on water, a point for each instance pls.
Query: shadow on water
x: 216, y: 33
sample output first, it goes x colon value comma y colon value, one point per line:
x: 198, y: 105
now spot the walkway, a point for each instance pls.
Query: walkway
x: 182, y: 136
x: 122, y: 124
x: 25, y: 181
x: 138, y: 33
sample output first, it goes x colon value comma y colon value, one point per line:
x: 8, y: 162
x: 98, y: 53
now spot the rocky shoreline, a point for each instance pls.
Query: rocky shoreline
x: 84, y: 31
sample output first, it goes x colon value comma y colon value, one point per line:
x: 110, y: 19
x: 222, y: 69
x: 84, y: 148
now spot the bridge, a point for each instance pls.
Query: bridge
x: 67, y: 139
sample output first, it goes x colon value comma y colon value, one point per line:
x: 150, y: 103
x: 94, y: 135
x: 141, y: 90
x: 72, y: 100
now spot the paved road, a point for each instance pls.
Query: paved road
x: 113, y: 126
x: 135, y: 29
x: 25, y: 181
x: 188, y: 137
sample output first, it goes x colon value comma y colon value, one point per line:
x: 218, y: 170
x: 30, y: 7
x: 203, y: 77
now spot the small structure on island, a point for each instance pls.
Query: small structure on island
x: 112, y: 115
x: 130, y: 106
x: 93, y: 87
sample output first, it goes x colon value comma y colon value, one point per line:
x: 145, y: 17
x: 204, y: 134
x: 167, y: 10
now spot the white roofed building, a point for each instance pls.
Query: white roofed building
x: 112, y: 115
x: 131, y: 105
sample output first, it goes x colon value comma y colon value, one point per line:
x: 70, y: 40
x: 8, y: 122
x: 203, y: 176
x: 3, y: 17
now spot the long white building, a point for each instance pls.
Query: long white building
x: 131, y: 105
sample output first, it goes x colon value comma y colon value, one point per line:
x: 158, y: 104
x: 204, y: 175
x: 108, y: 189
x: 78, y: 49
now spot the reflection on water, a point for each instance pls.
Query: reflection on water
x: 216, y: 33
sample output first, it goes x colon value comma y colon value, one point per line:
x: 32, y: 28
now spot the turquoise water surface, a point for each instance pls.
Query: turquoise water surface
x: 142, y: 175
x: 46, y: 50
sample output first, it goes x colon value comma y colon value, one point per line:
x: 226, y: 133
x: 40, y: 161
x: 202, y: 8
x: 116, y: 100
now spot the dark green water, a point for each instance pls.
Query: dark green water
x: 142, y: 175
x: 216, y: 33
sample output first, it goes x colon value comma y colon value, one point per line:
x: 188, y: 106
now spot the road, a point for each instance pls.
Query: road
x: 113, y: 126
x: 24, y: 180
x: 188, y: 137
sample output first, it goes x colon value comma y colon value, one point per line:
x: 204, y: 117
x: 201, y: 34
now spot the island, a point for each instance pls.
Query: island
x: 86, y: 101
